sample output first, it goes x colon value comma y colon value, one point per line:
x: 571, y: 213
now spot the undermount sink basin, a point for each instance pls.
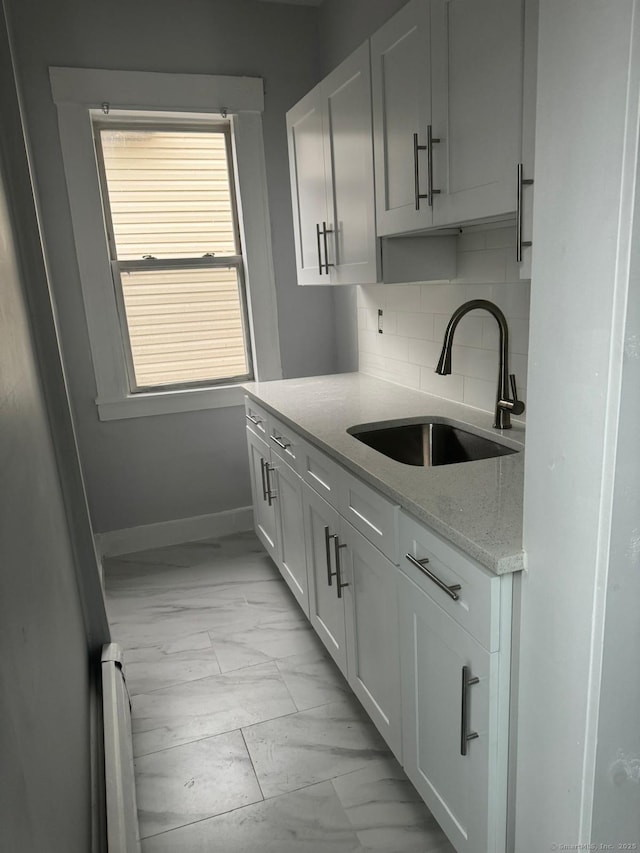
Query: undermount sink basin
x: 427, y: 442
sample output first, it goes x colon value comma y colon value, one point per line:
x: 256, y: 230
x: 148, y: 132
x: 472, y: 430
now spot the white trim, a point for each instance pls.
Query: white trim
x: 79, y: 91
x: 174, y: 532
x: 149, y: 90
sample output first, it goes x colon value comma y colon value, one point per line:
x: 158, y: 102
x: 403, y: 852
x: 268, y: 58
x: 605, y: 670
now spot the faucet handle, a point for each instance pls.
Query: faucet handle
x: 517, y: 407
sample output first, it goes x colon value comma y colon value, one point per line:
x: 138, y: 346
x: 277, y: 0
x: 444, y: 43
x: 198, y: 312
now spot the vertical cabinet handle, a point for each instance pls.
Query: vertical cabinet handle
x: 340, y: 585
x: 326, y: 231
x: 431, y: 141
x: 318, y: 235
x: 270, y: 496
x: 327, y: 544
x: 264, y: 479
x: 465, y: 735
x: 416, y: 171
x: 521, y: 182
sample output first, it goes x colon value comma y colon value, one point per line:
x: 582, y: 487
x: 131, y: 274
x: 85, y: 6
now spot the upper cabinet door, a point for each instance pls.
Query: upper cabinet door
x: 348, y: 155
x: 401, y: 84
x: 477, y: 67
x: 308, y: 186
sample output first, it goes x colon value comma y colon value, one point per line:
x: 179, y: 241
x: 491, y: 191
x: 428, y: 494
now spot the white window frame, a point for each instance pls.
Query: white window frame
x: 82, y: 94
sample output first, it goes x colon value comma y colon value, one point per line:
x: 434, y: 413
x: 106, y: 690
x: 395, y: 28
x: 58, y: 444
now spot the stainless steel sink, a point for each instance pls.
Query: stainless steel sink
x: 421, y: 441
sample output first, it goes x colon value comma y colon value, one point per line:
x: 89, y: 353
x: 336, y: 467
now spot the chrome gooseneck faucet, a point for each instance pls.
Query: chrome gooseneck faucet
x: 505, y: 404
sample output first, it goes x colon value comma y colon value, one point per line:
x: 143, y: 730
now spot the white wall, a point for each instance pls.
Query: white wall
x: 51, y: 611
x: 573, y: 528
x: 153, y: 469
x: 415, y: 317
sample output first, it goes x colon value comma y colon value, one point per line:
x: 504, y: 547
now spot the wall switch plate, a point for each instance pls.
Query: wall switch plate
x: 379, y: 321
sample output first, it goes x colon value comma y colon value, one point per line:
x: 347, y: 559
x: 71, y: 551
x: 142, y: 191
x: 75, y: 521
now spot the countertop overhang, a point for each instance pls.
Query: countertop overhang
x: 477, y: 506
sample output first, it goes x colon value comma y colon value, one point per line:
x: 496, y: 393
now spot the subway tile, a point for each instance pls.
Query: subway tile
x: 425, y: 353
x: 403, y: 297
x: 394, y: 346
x: 371, y: 296
x: 370, y: 362
x: 400, y: 372
x: 415, y: 325
x: 478, y: 363
x: 480, y: 393
x: 468, y: 331
x: 368, y: 341
x: 441, y: 298
x: 450, y: 387
x: 389, y: 323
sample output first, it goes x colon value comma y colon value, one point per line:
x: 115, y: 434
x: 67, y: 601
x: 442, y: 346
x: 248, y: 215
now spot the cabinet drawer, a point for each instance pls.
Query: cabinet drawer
x: 285, y: 442
x: 374, y: 515
x: 319, y: 471
x: 257, y: 417
x: 477, y: 607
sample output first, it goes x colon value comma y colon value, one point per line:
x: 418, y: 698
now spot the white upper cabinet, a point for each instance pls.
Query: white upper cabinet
x: 332, y: 187
x: 447, y: 105
x: 401, y: 80
x: 477, y: 66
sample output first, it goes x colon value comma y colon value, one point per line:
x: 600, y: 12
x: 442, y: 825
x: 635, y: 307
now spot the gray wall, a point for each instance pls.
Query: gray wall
x: 153, y: 469
x: 45, y: 682
x: 342, y: 26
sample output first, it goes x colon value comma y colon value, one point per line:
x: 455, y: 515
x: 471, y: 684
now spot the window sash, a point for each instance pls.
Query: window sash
x: 118, y: 267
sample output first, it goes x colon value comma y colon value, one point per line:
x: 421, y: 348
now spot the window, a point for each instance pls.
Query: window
x: 179, y: 330
x: 171, y: 219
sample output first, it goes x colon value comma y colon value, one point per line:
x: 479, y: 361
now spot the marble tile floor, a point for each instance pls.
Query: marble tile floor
x: 245, y: 734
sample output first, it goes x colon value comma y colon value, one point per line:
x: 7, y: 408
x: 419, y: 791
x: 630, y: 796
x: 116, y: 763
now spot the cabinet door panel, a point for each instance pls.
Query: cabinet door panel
x: 401, y: 107
x: 326, y: 610
x: 372, y: 634
x: 290, y: 518
x: 264, y: 515
x: 308, y: 184
x: 349, y: 168
x: 477, y: 52
x: 464, y: 792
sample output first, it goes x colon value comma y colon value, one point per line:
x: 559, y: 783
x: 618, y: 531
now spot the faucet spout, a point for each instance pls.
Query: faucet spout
x: 507, y: 402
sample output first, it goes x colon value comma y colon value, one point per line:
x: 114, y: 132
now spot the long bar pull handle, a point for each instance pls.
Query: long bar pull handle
x: 326, y: 231
x: 327, y: 544
x: 318, y: 235
x: 431, y: 141
x: 270, y: 496
x: 466, y: 736
x: 264, y: 478
x: 339, y: 583
x: 452, y: 591
x: 278, y: 440
x: 521, y: 182
x: 255, y: 421
x: 416, y: 171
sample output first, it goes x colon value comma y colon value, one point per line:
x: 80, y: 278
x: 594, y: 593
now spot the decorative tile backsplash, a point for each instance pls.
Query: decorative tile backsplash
x: 415, y: 316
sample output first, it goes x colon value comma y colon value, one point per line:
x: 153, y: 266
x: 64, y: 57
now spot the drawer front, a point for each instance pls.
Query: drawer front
x: 285, y: 442
x: 257, y: 417
x: 374, y: 515
x: 477, y: 607
x: 319, y: 471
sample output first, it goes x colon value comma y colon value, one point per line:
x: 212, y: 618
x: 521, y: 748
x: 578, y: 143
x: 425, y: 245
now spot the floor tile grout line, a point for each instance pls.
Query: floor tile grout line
x: 253, y: 766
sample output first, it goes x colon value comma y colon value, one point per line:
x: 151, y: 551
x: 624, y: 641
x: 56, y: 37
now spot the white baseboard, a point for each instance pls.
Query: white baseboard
x: 174, y: 532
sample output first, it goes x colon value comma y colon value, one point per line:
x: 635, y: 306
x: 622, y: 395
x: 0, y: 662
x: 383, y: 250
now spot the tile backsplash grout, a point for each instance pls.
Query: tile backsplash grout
x: 415, y: 316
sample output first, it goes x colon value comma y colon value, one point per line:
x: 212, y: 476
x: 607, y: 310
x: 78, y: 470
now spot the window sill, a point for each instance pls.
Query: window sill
x: 169, y: 402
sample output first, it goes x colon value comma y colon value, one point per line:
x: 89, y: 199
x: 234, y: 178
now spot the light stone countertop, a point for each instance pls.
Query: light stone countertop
x: 475, y: 505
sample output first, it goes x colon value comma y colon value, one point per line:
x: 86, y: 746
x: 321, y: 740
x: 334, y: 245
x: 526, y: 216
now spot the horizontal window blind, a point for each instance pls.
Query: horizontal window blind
x: 170, y: 199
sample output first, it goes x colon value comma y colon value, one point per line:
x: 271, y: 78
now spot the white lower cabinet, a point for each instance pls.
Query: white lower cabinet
x: 353, y: 608
x: 264, y: 513
x: 421, y: 632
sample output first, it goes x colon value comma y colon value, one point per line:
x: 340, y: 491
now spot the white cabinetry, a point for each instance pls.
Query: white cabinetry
x: 332, y: 187
x: 455, y: 688
x: 447, y: 108
x: 264, y: 513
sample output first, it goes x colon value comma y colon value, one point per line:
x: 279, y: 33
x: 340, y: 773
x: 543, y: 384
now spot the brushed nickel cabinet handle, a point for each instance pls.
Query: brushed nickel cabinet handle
x: 465, y: 735
x: 326, y: 231
x: 255, y: 421
x: 318, y: 235
x: 264, y: 479
x: 278, y: 440
x: 521, y: 182
x: 452, y: 591
x: 431, y: 141
x: 270, y: 496
x: 339, y: 584
x: 416, y: 171
x: 327, y: 545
